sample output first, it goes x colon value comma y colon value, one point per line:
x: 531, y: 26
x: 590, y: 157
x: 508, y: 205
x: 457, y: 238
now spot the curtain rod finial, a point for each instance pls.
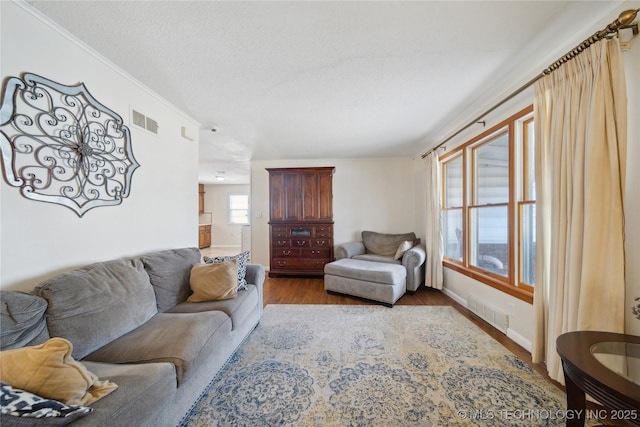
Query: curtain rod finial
x: 627, y: 17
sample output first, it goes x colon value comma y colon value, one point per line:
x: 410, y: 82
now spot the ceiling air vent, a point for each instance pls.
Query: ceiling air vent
x: 144, y: 122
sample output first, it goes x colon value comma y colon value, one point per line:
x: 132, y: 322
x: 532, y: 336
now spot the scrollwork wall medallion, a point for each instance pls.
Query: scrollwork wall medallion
x: 60, y: 145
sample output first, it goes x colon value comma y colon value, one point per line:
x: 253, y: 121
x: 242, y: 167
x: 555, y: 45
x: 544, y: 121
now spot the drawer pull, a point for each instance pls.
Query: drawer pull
x: 301, y: 242
x: 286, y: 252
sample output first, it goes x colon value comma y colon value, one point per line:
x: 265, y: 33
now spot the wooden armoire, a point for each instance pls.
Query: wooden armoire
x: 300, y: 220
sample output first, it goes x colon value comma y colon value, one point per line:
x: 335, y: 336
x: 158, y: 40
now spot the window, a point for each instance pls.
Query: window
x: 527, y: 208
x: 239, y: 209
x: 452, y: 212
x: 489, y: 207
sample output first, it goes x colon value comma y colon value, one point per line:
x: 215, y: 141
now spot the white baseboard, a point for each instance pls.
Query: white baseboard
x: 519, y: 339
x: 513, y: 335
x: 457, y: 298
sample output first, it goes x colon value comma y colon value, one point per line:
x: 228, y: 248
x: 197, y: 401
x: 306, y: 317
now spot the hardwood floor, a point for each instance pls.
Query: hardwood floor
x: 303, y: 290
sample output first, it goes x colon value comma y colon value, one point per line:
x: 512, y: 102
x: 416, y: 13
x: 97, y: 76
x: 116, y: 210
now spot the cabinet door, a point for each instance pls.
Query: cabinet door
x: 208, y: 235
x: 276, y: 196
x: 204, y: 236
x: 310, y: 197
x: 292, y: 196
x: 325, y: 196
x: 200, y: 198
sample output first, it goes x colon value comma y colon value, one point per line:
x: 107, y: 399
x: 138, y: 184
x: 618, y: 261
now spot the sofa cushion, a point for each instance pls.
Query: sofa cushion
x: 144, y: 390
x: 384, y: 244
x: 214, y: 282
x: 377, y: 258
x: 49, y: 371
x: 21, y: 408
x: 238, y: 308
x: 169, y: 273
x: 22, y: 320
x: 95, y: 304
x: 169, y: 337
x: 376, y: 272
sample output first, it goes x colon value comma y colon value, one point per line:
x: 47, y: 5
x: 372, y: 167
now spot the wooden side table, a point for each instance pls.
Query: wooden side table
x: 591, y: 362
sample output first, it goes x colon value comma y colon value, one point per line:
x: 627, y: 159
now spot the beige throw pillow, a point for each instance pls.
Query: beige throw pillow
x: 404, y: 247
x: 213, y: 282
x: 49, y: 371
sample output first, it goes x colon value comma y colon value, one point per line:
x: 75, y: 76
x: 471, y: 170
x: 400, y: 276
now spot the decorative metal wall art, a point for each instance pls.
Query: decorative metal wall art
x: 60, y: 145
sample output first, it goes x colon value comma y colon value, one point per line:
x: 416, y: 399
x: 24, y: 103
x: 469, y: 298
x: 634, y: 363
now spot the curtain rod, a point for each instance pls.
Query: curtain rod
x: 624, y: 21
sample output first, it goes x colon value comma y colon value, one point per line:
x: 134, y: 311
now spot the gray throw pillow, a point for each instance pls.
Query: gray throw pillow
x: 169, y: 273
x: 384, y: 244
x: 22, y: 320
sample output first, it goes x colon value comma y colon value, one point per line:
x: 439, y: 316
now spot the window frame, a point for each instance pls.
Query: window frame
x: 525, y: 198
x: 474, y: 205
x: 461, y: 208
x: 512, y: 283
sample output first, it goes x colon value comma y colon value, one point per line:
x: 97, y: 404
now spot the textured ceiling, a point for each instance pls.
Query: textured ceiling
x: 296, y: 80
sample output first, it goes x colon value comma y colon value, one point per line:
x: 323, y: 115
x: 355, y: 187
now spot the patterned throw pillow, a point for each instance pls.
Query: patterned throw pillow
x: 243, y: 260
x: 19, y: 404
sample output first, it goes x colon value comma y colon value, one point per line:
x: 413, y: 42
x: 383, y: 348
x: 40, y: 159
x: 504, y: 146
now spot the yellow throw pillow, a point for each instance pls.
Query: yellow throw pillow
x: 49, y: 371
x: 213, y: 282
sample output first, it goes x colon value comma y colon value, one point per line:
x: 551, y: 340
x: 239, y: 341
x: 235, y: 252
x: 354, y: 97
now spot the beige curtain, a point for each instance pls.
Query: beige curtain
x: 581, y: 121
x: 433, y: 274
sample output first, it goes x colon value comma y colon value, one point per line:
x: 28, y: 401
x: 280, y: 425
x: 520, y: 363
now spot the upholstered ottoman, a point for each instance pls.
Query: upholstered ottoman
x: 378, y: 281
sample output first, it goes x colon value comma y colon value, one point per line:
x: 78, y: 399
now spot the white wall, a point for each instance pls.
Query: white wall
x: 41, y: 239
x: 368, y: 194
x: 216, y: 201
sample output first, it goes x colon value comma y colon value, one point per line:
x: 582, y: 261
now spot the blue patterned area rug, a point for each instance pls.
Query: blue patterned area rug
x: 332, y: 365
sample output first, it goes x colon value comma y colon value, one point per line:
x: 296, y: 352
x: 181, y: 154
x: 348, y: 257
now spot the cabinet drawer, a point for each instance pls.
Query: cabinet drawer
x: 286, y: 253
x: 316, y: 253
x: 299, y: 264
x: 321, y: 243
x: 277, y: 232
x: 281, y: 243
x: 323, y: 232
x: 300, y: 243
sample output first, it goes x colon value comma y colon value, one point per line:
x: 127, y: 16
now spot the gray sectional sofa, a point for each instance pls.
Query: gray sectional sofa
x: 129, y: 322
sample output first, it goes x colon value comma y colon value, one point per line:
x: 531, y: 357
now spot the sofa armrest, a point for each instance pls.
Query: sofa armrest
x: 255, y: 276
x: 413, y: 260
x: 351, y: 249
x: 415, y: 256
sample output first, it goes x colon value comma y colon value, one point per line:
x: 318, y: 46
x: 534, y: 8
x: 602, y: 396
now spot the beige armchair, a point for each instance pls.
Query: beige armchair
x: 404, y: 249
